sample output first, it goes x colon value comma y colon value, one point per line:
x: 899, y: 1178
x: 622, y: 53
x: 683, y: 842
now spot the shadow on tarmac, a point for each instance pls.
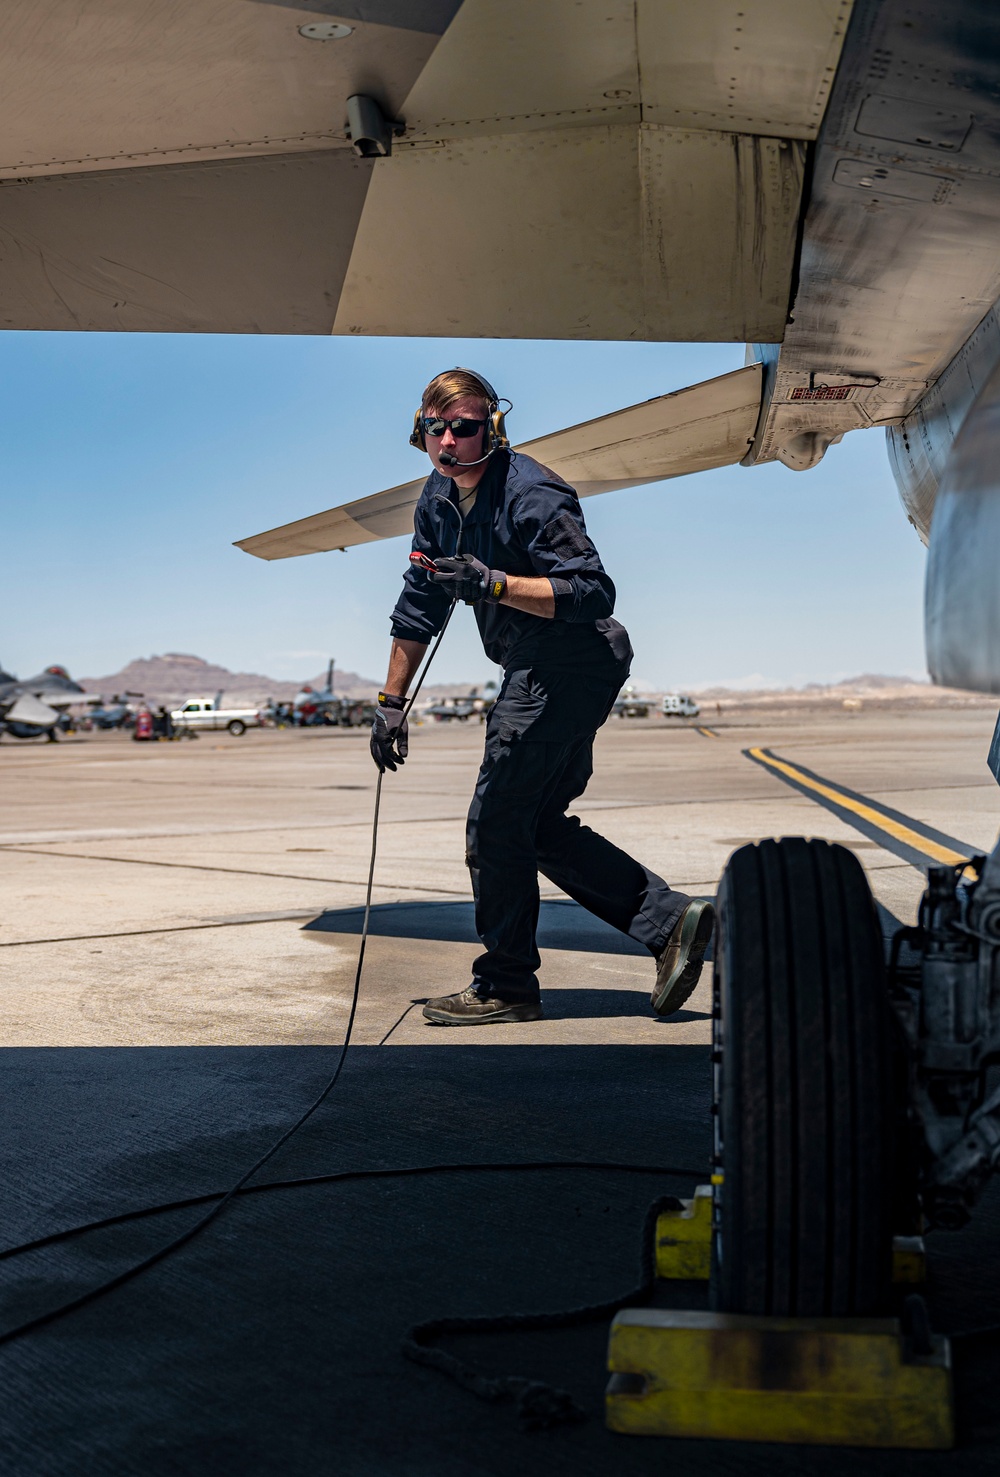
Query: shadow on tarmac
x: 562, y: 924
x: 270, y: 1344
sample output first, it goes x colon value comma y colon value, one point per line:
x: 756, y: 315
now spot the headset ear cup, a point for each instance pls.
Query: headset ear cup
x: 494, y: 418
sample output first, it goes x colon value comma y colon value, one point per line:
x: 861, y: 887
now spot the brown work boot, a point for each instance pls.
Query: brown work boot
x: 679, y: 966
x: 469, y: 1008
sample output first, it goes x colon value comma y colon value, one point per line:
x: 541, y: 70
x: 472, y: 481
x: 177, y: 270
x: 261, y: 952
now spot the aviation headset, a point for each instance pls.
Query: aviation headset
x: 497, y: 430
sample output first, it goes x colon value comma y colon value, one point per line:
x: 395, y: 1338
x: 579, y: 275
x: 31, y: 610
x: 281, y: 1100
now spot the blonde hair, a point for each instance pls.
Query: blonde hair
x: 453, y: 384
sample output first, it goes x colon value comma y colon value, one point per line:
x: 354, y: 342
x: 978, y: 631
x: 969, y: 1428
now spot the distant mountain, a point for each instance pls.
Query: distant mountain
x: 171, y: 678
x: 868, y: 682
x: 870, y: 689
x: 177, y: 675
x: 873, y: 681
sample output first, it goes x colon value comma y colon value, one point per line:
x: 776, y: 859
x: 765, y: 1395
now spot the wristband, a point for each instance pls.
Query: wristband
x: 496, y: 587
x: 391, y: 700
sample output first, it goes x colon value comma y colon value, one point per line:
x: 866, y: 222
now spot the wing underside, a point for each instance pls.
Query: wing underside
x: 635, y: 166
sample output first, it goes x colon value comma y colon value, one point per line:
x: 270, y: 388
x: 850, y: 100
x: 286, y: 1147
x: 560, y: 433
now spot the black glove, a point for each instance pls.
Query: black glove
x: 468, y: 579
x: 390, y: 734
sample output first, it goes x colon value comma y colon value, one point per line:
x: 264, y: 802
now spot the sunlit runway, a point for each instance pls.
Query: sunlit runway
x: 158, y: 892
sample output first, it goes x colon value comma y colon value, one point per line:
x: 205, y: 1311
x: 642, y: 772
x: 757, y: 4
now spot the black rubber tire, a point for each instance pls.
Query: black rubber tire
x: 802, y: 1087
x: 237, y: 727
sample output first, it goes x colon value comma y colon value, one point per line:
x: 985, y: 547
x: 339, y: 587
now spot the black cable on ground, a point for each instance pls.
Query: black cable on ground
x: 413, y: 1171
x: 164, y: 1251
x: 400, y: 1019
x: 539, y: 1405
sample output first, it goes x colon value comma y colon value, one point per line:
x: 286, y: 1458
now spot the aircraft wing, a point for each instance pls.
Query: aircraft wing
x: 636, y: 166
x: 692, y: 430
x: 29, y: 709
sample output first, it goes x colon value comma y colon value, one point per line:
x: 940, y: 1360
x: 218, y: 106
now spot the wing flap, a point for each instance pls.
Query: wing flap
x: 383, y: 515
x: 692, y: 430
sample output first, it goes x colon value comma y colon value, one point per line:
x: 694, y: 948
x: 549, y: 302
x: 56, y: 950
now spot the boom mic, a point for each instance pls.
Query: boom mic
x: 447, y: 460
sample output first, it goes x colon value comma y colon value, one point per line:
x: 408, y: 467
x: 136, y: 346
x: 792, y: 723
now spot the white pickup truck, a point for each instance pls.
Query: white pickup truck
x: 207, y: 712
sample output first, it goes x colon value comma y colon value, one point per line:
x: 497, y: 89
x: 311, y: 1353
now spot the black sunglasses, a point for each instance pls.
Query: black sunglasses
x: 462, y: 429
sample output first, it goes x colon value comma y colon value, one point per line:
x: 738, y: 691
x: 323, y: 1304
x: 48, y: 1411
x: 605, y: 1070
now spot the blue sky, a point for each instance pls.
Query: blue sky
x: 131, y: 462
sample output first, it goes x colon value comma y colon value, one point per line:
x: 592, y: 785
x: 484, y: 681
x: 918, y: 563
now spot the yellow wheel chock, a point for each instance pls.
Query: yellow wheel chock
x: 684, y: 1239
x: 837, y: 1382
x: 684, y: 1244
x: 822, y: 1381
x: 909, y: 1259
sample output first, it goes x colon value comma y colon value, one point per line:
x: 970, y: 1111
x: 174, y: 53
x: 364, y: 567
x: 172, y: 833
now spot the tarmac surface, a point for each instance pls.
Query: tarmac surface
x: 178, y: 950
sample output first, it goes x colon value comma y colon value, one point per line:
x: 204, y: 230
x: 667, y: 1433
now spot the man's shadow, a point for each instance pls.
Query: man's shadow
x: 562, y: 924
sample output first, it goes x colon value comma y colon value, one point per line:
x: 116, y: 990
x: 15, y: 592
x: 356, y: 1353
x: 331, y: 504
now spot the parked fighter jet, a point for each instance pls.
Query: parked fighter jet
x: 115, y: 714
x: 310, y: 706
x: 628, y: 704
x: 460, y: 708
x: 33, y: 707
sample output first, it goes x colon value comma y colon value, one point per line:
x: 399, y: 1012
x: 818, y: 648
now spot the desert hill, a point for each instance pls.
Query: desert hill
x: 178, y: 675
x: 171, y: 678
x: 869, y: 690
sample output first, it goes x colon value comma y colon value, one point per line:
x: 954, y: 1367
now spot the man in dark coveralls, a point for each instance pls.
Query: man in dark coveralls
x: 507, y: 535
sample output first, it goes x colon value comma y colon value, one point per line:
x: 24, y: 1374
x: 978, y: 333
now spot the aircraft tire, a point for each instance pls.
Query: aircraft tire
x: 802, y: 1087
x: 236, y: 727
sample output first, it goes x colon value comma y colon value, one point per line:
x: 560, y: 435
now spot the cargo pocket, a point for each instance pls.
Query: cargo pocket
x: 519, y: 708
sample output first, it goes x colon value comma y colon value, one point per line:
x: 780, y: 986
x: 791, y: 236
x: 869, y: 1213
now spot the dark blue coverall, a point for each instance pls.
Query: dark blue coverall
x: 561, y: 678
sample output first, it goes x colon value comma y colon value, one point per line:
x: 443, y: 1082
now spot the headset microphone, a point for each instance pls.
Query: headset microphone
x: 447, y: 460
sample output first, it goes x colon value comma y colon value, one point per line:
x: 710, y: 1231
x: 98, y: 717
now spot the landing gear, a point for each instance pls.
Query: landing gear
x: 803, y: 1102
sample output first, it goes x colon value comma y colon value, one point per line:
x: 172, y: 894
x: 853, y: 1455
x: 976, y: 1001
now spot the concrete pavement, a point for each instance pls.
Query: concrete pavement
x: 178, y: 949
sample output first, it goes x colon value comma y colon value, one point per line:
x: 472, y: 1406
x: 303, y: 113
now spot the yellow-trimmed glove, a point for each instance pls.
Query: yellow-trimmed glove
x: 468, y: 579
x: 390, y: 734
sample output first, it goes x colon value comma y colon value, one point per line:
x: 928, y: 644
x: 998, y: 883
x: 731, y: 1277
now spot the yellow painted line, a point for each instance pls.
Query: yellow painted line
x: 874, y: 817
x: 708, y: 732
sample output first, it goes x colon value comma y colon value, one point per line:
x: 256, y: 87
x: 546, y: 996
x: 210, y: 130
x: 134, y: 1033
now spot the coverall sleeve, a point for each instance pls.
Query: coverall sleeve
x: 550, y: 524
x: 420, y: 610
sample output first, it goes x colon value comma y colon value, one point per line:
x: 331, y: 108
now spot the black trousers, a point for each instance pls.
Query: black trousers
x: 538, y: 759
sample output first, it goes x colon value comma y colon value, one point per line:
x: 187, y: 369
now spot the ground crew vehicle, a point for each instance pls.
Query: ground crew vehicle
x: 675, y: 705
x: 206, y: 712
